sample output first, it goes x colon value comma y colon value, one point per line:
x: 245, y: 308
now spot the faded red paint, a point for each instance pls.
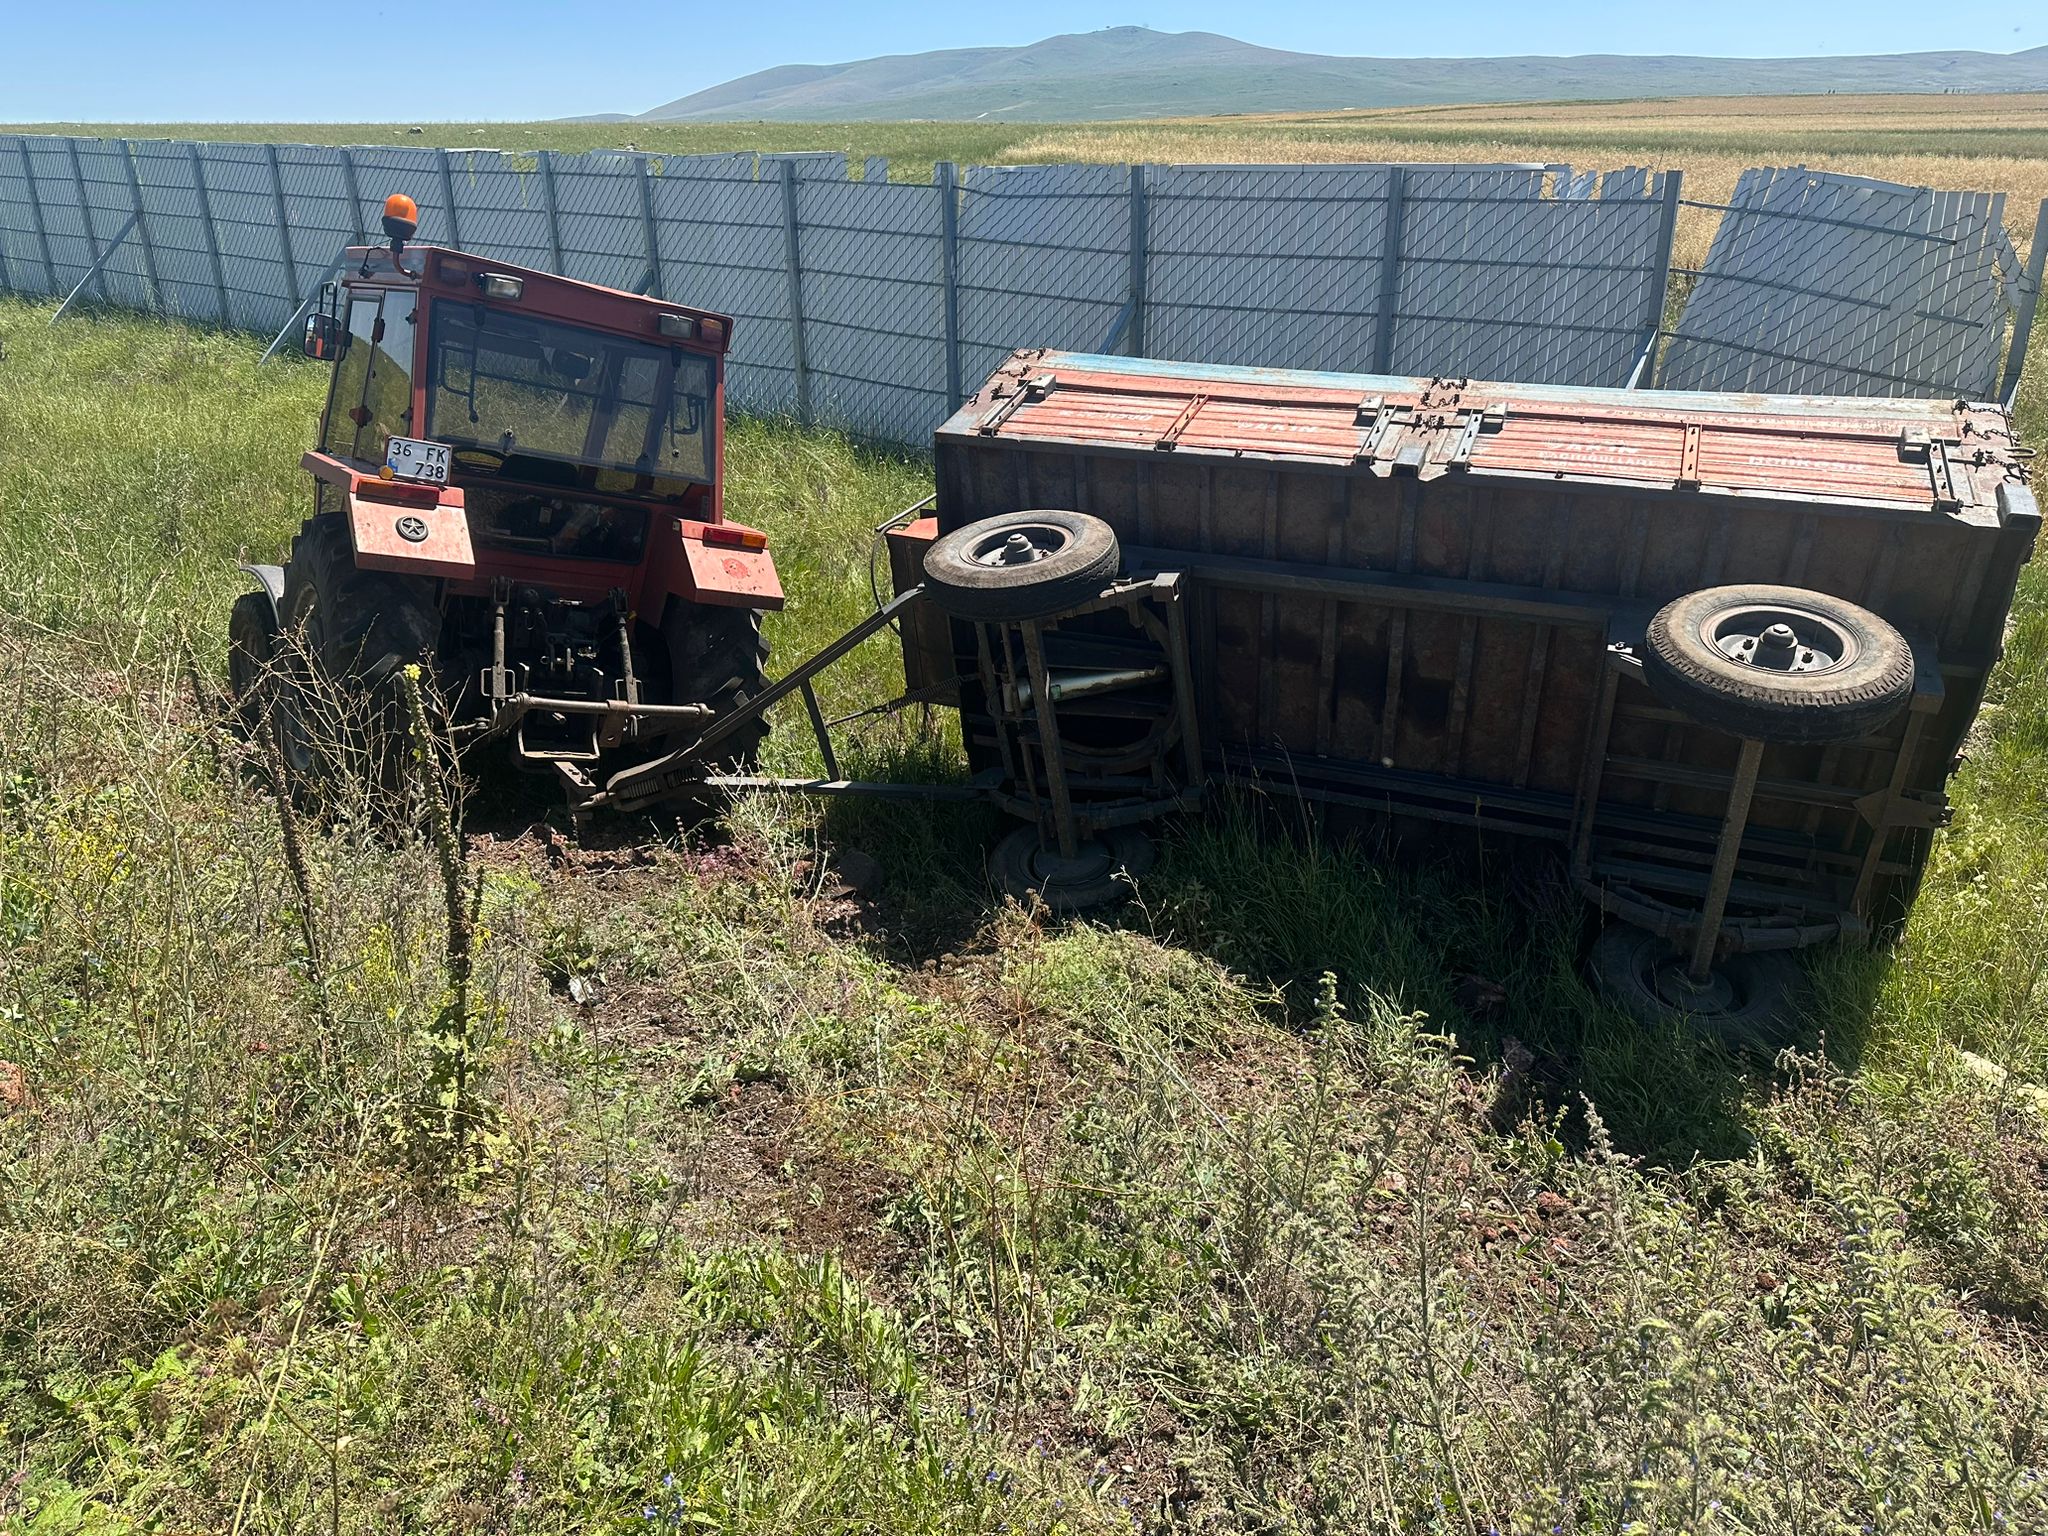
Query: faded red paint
x: 1741, y: 445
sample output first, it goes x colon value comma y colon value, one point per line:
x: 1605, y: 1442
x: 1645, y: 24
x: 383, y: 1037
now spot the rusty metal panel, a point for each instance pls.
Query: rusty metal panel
x: 928, y: 668
x: 1900, y: 454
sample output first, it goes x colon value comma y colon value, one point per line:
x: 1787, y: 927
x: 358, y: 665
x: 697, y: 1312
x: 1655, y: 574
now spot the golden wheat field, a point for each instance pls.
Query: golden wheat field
x: 1965, y: 143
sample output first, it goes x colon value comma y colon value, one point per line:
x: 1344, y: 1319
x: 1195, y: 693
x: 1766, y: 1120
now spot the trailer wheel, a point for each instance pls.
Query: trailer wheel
x: 1100, y: 872
x: 1778, y: 664
x: 1022, y: 565
x: 344, y: 634
x: 1746, y: 1002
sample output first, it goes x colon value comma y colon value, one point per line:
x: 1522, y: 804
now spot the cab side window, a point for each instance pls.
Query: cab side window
x: 388, y: 399
x: 351, y: 373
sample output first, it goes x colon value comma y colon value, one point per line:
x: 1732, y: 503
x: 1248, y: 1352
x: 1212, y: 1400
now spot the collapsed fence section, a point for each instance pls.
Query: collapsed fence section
x: 1821, y: 283
x: 876, y: 306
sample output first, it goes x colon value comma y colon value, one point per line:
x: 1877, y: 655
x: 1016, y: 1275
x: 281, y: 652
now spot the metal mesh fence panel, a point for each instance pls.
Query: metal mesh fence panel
x: 47, y: 162
x: 1044, y: 259
x: 323, y: 217
x: 839, y: 287
x: 1819, y: 283
x: 720, y: 231
x: 245, y: 223
x: 874, y: 305
x: 191, y: 281
x: 102, y: 175
x: 1499, y: 281
x: 604, y: 235
x: 1265, y: 265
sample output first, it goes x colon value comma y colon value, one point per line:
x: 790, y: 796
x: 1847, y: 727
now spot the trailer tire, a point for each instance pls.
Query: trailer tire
x: 352, y: 630
x: 1021, y: 565
x: 1831, y: 672
x: 1026, y: 868
x: 1749, y: 1005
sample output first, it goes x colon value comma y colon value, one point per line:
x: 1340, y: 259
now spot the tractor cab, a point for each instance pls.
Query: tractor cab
x: 531, y: 468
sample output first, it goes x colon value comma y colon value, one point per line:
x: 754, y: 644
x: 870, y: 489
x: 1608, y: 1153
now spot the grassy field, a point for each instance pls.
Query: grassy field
x: 784, y: 1206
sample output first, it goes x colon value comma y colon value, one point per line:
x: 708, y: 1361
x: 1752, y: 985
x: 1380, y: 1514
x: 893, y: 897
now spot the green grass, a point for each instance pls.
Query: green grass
x: 788, y: 1211
x: 912, y: 148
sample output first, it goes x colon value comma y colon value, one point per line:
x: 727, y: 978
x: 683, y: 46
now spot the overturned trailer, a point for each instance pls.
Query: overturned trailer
x: 1722, y: 649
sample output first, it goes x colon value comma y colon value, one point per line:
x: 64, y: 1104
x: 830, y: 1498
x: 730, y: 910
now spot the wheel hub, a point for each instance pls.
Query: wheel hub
x: 1775, y: 639
x: 1710, y: 994
x: 1020, y: 546
x: 1050, y: 869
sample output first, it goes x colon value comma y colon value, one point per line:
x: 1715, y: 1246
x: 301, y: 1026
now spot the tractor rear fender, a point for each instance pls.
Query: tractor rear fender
x: 269, y: 580
x: 724, y: 565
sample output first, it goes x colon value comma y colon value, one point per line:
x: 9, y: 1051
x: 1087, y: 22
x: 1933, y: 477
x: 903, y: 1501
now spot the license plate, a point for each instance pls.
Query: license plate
x: 412, y: 458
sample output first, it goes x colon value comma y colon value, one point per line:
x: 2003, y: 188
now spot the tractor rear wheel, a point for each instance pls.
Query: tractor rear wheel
x: 717, y: 657
x: 252, y: 652
x: 344, y: 634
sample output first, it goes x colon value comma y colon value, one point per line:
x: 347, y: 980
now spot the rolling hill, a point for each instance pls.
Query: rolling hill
x: 1126, y: 72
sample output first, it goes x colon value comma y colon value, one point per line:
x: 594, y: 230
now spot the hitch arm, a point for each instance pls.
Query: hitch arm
x: 634, y: 787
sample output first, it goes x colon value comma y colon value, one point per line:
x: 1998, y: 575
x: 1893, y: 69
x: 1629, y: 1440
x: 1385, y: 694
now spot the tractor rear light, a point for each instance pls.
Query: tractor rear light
x: 679, y: 327
x: 734, y: 536
x: 454, y: 271
x: 712, y: 331
x: 501, y: 285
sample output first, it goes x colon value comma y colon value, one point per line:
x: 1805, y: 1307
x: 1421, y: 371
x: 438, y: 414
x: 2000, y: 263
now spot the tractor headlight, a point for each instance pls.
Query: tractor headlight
x: 498, y: 285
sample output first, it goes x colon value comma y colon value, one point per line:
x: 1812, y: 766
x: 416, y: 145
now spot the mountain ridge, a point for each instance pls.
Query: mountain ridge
x: 1133, y: 72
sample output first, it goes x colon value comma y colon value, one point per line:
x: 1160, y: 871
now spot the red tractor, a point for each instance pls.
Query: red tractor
x: 518, y: 483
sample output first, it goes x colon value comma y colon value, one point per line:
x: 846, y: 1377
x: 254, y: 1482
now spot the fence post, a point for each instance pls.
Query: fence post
x: 454, y: 222
x: 2030, y: 301
x: 647, y: 230
x: 945, y: 177
x: 220, y: 276
x: 1134, y: 342
x: 92, y: 239
x: 98, y: 267
x: 1390, y: 270
x: 1660, y: 292
x: 156, y: 287
x: 547, y: 193
x: 284, y: 228
x: 35, y: 208
x: 353, y: 191
x: 796, y: 292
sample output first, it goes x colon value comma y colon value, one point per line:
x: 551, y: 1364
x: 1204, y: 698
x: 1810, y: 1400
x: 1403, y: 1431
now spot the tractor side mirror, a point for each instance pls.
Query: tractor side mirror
x: 324, y: 336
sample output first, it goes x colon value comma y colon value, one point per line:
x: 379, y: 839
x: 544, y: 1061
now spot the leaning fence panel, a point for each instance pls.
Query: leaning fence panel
x: 252, y: 243
x: 102, y: 173
x: 190, y: 280
x: 1819, y: 283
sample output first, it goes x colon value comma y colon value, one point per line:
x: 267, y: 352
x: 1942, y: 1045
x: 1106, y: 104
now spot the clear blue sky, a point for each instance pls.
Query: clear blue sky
x: 319, y: 60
